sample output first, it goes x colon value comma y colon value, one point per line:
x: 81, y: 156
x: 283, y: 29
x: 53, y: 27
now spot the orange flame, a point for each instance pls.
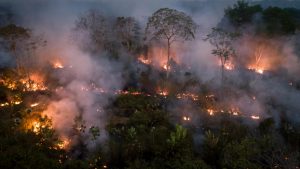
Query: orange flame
x: 143, y: 60
x: 58, y: 65
x: 259, y: 70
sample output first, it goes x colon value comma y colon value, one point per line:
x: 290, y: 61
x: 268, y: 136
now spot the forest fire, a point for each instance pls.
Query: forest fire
x: 228, y: 65
x: 34, y: 82
x: 165, y: 67
x: 211, y: 112
x: 58, y: 65
x: 157, y: 57
x: 234, y: 111
x: 17, y: 102
x: 4, y: 104
x: 121, y: 88
x: 36, y: 126
x: 258, y: 70
x: 192, y: 96
x: 162, y: 92
x: 63, y: 144
x: 143, y: 60
x: 126, y: 92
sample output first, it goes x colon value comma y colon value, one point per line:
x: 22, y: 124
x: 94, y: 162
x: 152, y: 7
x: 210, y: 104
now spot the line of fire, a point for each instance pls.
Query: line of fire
x: 168, y: 91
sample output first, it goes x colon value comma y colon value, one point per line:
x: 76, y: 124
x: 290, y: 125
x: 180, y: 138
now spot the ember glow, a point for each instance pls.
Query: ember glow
x: 255, y: 117
x: 63, y: 144
x: 125, y: 92
x: 57, y: 65
x: 17, y: 102
x: 211, y: 112
x: 34, y: 83
x: 34, y: 104
x: 256, y: 69
x: 229, y: 66
x: 186, y: 118
x: 36, y: 126
x: 192, y: 96
x: 162, y: 92
x: 157, y: 57
x: 121, y: 88
x: 143, y: 60
x: 234, y: 111
x: 4, y: 104
x: 165, y: 66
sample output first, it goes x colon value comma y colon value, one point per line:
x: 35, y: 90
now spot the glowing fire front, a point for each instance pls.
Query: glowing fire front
x: 35, y: 82
x: 165, y: 66
x: 192, y: 96
x: 37, y: 126
x: 158, y: 57
x: 57, y: 65
x: 162, y: 92
x: 211, y: 112
x: 63, y: 144
x: 228, y: 65
x: 259, y: 70
x: 144, y: 60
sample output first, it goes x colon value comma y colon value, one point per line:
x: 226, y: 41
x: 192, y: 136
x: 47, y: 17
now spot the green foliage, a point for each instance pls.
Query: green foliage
x: 21, y: 149
x: 223, y: 48
x: 278, y: 21
x: 79, y: 124
x: 222, y: 41
x: 267, y: 126
x: 177, y: 136
x: 113, y: 37
x: 129, y: 104
x: 128, y: 32
x: 272, y: 21
x: 171, y: 25
x: 242, y: 13
x: 241, y: 154
x: 95, y: 132
x: 12, y: 32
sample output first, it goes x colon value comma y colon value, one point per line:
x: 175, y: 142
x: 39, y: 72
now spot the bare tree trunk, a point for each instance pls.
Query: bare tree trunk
x: 168, y: 61
x: 222, y: 70
x: 222, y: 77
x: 18, y: 67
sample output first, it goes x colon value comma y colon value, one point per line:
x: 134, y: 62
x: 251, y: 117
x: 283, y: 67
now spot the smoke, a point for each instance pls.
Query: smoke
x: 85, y: 75
x: 268, y: 90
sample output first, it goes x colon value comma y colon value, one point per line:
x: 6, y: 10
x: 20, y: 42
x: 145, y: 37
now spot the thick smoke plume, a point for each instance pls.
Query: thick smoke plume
x: 85, y: 76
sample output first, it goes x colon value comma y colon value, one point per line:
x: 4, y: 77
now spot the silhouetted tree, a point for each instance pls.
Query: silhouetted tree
x: 170, y: 25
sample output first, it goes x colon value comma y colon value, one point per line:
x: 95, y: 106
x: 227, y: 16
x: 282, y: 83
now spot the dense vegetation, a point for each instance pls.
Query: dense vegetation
x: 142, y: 130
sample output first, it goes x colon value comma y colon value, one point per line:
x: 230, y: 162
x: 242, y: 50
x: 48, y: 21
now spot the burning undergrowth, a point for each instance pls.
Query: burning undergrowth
x: 80, y: 93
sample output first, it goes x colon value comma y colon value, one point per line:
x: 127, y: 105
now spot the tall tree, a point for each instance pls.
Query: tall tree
x: 242, y: 13
x: 14, y: 38
x: 223, y: 48
x: 170, y: 25
x: 279, y: 21
x: 98, y: 30
x: 127, y: 31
